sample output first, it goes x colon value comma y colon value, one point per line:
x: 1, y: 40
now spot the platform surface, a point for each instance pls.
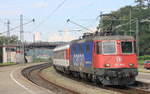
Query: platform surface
x: 12, y: 82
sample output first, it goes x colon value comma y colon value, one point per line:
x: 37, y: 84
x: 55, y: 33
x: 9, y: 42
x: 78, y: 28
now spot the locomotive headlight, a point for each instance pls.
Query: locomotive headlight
x: 107, y: 65
x: 131, y: 65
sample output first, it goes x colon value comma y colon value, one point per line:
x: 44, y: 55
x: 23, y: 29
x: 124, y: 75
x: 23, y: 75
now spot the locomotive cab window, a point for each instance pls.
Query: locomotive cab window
x: 127, y: 47
x: 109, y: 47
x: 99, y: 47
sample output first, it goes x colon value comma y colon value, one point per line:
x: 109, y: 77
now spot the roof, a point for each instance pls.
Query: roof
x: 115, y: 37
x: 63, y: 47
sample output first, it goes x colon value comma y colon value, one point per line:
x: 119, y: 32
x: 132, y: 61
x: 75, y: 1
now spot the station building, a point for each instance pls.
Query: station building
x: 10, y: 53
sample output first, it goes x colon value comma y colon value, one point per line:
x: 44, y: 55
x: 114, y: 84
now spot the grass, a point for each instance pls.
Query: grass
x: 141, y: 67
x: 7, y: 64
x: 40, y: 60
x: 144, y: 70
x: 141, y: 62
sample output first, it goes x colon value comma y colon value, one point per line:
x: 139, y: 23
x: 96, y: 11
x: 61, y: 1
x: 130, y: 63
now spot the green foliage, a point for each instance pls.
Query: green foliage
x: 142, y: 59
x: 40, y: 60
x: 8, y: 40
x: 140, y: 62
x: 50, y: 60
x: 143, y: 3
x: 145, y: 57
x: 122, y: 17
x: 7, y: 64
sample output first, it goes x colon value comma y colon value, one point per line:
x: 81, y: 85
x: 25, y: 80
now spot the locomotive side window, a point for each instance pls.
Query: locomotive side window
x: 99, y: 47
x: 109, y: 47
x: 81, y: 49
x: 127, y: 47
x: 87, y: 48
x: 74, y: 49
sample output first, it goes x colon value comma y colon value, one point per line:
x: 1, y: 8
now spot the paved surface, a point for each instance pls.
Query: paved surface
x: 144, y: 77
x: 12, y: 82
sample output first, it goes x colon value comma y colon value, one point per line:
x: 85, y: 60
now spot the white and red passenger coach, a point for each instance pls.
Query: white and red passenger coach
x: 61, y: 57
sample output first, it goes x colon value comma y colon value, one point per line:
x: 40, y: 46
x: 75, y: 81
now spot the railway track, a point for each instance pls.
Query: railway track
x: 33, y: 74
x: 137, y: 88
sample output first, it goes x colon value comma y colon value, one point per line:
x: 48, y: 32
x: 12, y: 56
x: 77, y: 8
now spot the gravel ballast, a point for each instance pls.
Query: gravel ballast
x: 83, y: 88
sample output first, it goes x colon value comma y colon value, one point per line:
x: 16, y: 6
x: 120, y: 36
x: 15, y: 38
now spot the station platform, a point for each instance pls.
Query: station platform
x: 12, y: 82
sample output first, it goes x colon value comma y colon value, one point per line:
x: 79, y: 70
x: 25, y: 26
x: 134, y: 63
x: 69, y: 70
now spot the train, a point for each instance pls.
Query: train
x: 107, y: 60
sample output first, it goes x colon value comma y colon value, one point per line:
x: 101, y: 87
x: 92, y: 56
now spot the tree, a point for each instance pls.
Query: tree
x: 148, y: 3
x: 124, y: 13
x: 8, y: 40
x: 140, y: 2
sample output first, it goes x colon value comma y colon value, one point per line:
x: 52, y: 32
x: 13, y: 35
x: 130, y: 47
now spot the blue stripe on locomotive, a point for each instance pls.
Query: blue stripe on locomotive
x: 81, y: 54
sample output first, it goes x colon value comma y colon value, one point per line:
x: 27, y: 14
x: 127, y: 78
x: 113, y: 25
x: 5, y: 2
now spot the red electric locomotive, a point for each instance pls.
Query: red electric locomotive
x: 110, y: 60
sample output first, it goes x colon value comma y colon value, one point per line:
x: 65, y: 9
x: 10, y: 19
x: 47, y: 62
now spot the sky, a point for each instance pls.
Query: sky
x: 49, y: 23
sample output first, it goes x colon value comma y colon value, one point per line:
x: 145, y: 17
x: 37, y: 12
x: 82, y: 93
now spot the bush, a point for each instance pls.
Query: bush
x: 40, y: 60
x: 145, y: 57
x: 50, y: 61
x: 7, y: 64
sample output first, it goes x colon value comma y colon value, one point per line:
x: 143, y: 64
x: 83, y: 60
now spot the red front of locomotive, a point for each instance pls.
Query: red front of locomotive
x: 117, y: 60
x: 115, y: 54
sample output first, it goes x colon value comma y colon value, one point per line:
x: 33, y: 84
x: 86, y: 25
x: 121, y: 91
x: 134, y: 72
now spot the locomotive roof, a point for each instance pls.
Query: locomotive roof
x: 115, y: 37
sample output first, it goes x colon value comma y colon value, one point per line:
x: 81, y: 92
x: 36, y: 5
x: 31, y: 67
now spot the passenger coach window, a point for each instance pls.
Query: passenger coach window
x: 127, y: 47
x: 109, y: 47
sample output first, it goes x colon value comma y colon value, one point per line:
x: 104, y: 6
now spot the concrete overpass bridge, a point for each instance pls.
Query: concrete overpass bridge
x: 41, y: 50
x: 48, y: 45
x: 13, y: 52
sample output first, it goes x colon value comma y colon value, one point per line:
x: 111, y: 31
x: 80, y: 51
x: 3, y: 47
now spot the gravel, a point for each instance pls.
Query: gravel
x: 81, y: 87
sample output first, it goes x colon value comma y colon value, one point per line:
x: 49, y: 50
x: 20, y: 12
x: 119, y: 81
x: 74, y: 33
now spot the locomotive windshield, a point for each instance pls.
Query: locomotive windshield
x: 127, y: 47
x: 109, y: 47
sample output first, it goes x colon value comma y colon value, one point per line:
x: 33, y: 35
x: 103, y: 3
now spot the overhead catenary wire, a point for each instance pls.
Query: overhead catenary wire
x: 16, y: 27
x: 50, y: 15
x: 68, y: 20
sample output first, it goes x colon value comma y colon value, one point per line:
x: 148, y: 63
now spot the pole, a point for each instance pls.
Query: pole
x: 130, y: 20
x: 8, y: 38
x: 137, y: 36
x: 101, y: 19
x: 8, y: 28
x: 22, y: 38
x: 21, y: 28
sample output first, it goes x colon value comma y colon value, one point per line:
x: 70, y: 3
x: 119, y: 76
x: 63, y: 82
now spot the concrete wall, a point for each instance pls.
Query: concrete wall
x: 4, y: 55
x: 9, y: 56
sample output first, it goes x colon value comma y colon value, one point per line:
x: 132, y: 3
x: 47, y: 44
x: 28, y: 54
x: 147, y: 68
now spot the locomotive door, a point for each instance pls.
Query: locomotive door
x: 88, y: 49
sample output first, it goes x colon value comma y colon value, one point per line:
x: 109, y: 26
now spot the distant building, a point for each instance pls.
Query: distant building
x: 36, y: 37
x: 12, y: 53
x: 9, y: 53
